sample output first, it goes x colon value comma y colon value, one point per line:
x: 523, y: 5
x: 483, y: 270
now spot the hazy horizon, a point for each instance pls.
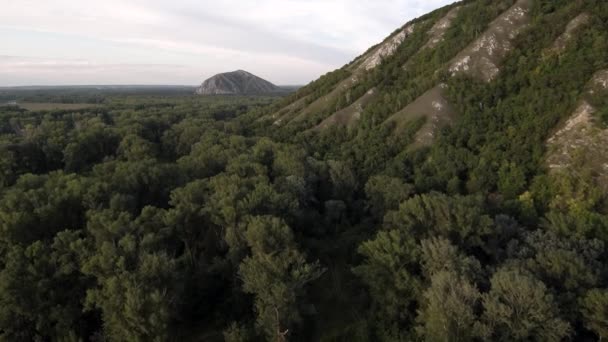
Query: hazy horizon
x: 136, y: 42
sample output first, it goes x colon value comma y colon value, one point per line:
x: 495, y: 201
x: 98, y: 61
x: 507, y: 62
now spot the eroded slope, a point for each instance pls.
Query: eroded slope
x: 573, y: 26
x: 582, y: 141
x: 437, y: 32
x: 434, y: 107
x: 479, y: 60
x: 351, y: 114
x: 482, y: 58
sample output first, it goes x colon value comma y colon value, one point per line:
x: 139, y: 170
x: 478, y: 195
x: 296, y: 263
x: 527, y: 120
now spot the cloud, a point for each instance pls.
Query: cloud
x: 287, y: 41
x: 41, y: 71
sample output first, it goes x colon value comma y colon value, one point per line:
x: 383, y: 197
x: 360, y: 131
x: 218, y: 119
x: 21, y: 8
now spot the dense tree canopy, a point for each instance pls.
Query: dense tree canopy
x: 173, y: 217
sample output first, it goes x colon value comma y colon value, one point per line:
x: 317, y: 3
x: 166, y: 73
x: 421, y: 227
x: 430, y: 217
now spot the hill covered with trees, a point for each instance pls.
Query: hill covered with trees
x: 447, y: 185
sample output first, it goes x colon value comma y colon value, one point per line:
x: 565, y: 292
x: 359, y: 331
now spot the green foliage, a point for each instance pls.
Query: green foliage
x: 386, y: 193
x: 519, y: 307
x: 459, y: 219
x: 90, y: 145
x: 155, y: 217
x: 594, y: 307
x: 38, y: 207
x: 136, y: 277
x: 237, y: 333
x: 511, y: 180
x: 276, y: 273
x: 389, y: 272
x: 440, y: 255
x: 572, y: 265
x: 448, y: 312
x: 41, y: 291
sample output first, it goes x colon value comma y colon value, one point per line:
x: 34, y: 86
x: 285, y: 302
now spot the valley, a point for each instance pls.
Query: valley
x: 448, y: 184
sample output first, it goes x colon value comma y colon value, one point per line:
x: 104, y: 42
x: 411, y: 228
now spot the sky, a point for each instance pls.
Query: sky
x: 183, y: 42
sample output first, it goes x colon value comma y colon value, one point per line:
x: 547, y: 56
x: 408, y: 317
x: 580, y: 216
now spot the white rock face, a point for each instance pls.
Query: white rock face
x: 437, y: 32
x: 601, y: 80
x: 461, y: 65
x: 580, y: 142
x: 438, y: 106
x: 489, y: 69
x: 580, y: 120
x: 482, y: 57
x: 387, y: 49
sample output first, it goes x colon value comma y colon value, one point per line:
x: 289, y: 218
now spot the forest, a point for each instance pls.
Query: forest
x: 170, y: 217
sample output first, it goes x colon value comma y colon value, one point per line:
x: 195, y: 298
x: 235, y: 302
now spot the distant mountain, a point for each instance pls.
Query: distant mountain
x: 238, y: 82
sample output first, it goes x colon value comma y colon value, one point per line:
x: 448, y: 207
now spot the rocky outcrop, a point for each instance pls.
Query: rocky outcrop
x: 365, y: 63
x: 582, y: 142
x: 236, y: 83
x: 352, y: 113
x: 599, y: 82
x: 437, y: 32
x: 481, y: 59
x: 386, y: 49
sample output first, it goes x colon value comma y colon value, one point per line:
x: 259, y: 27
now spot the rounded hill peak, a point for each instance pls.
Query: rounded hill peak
x: 239, y: 82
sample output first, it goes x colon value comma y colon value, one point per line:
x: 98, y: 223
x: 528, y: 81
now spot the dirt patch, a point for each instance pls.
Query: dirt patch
x: 349, y: 115
x: 482, y: 57
x: 573, y: 26
x: 433, y: 106
x: 437, y: 32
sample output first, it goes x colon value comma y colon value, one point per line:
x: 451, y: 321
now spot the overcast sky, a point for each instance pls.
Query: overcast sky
x: 61, y: 42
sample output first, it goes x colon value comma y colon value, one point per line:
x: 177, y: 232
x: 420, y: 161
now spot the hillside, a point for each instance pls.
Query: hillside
x: 449, y: 184
x: 238, y: 82
x: 418, y: 75
x: 498, y: 101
